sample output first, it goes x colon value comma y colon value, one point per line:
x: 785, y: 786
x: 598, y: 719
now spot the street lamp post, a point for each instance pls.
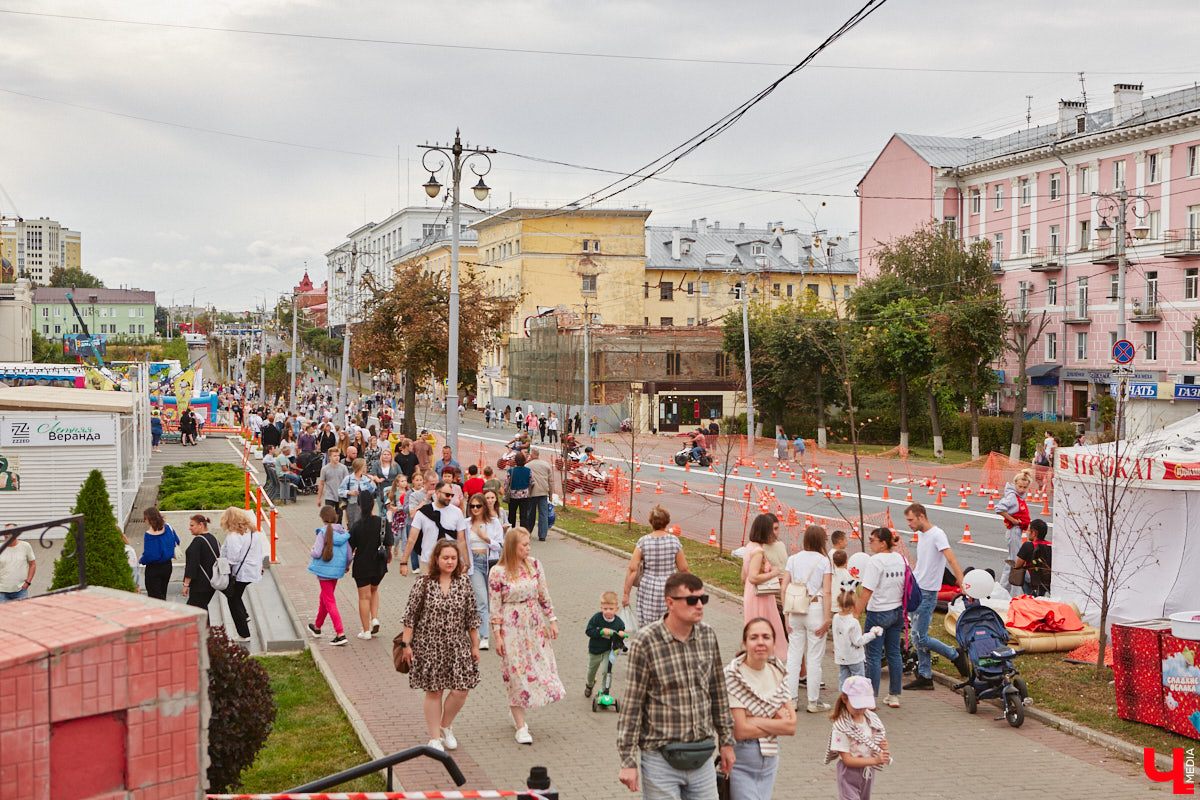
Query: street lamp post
x: 353, y: 259
x: 459, y: 156
x: 745, y: 291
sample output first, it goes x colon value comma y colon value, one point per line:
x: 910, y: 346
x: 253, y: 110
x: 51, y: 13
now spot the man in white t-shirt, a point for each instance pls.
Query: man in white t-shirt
x: 933, y: 554
x: 1048, y: 444
x: 439, y: 520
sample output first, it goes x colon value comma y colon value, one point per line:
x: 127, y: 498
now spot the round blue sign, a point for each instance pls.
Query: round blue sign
x: 1123, y: 351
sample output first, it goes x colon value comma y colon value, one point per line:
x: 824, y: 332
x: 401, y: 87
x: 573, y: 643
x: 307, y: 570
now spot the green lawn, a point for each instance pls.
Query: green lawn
x: 312, y: 737
x: 201, y: 485
x: 915, y: 453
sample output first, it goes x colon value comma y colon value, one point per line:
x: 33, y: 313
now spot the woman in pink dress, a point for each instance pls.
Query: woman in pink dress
x: 757, y: 570
x: 523, y: 623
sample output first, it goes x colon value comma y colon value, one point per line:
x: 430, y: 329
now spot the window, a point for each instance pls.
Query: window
x: 776, y: 290
x: 58, y: 328
x: 691, y: 321
x: 1081, y: 351
x: 997, y: 246
x: 1191, y: 284
x: 1024, y: 241
x: 673, y: 363
x: 141, y: 328
x: 591, y: 245
x: 814, y: 289
x: 1051, y: 346
x: 1112, y: 340
x: 1081, y: 298
x: 722, y: 365
x: 46, y: 329
x: 666, y: 322
x: 1050, y: 403
x: 1119, y: 174
x: 1154, y: 223
x: 430, y: 231
x: 1052, y: 292
x: 1085, y: 180
x: 1189, y: 346
x: 847, y: 291
x: 998, y: 195
x: 1193, y: 160
x: 1026, y: 191
x: 1054, y: 186
x: 75, y: 328
x: 1085, y: 233
x: 756, y: 250
x: 789, y: 290
x: 141, y: 312
x: 950, y: 226
x: 1152, y: 171
x: 131, y: 314
x: 976, y: 201
x: 46, y: 311
x: 1054, y: 243
x: 666, y: 291
x: 1151, y: 302
x: 1113, y: 281
x: 1023, y: 289
x: 704, y: 288
x: 1150, y: 351
x: 589, y: 284
x: 691, y: 288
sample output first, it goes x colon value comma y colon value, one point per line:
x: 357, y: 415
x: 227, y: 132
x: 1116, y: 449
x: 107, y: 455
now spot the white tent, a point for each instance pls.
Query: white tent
x: 1153, y: 494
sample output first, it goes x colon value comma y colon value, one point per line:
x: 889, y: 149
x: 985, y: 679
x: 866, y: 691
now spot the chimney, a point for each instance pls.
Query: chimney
x: 1068, y: 110
x: 716, y: 225
x: 704, y: 225
x: 693, y: 226
x: 675, y: 253
x: 1127, y: 101
x: 741, y: 227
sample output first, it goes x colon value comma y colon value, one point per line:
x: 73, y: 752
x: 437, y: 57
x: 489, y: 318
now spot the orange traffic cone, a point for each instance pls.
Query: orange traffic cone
x: 938, y: 500
x: 991, y: 506
x: 658, y: 487
x: 908, y: 496
x: 963, y: 503
x: 889, y: 477
x: 685, y: 490
x: 734, y: 472
x: 662, y: 467
x: 757, y: 472
x: 712, y: 537
x: 885, y: 494
x: 721, y: 490
x: 746, y: 493
x: 792, y: 519
x: 772, y: 473
x: 838, y: 493
x: 914, y: 538
x: 854, y: 531
x: 637, y: 487
x: 687, y: 467
x: 808, y: 519
x: 792, y: 475
x: 1046, y: 505
x: 867, y: 476
x: 966, y: 539
x: 809, y: 491
x: 574, y: 501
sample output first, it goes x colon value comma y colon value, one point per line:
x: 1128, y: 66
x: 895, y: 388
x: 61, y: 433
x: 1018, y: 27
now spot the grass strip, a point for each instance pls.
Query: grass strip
x: 312, y: 737
x: 201, y: 485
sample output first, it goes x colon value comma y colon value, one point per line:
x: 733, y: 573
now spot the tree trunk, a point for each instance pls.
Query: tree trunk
x: 821, y: 435
x: 1014, y: 447
x: 935, y: 423
x: 409, y: 428
x: 903, y: 412
x: 974, y: 410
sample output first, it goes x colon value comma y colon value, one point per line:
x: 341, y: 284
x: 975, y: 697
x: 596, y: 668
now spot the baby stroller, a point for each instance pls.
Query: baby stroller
x: 310, y: 471
x: 981, y: 633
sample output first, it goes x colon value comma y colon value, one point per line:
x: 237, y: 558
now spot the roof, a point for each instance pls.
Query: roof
x: 726, y: 249
x: 950, y: 152
x: 56, y: 294
x: 514, y: 213
x: 1038, y: 370
x: 48, y: 398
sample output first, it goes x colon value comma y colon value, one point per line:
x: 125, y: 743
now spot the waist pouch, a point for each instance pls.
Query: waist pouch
x: 688, y: 756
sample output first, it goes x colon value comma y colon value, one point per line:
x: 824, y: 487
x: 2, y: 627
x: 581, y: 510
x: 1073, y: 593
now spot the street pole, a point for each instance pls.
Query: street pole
x: 1123, y: 199
x: 262, y: 353
x: 746, y: 358
x: 587, y: 372
x: 292, y: 365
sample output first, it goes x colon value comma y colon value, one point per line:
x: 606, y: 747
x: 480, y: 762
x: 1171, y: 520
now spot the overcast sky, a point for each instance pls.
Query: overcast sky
x: 216, y: 163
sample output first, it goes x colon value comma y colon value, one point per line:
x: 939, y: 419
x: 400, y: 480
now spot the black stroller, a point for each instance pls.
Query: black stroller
x: 310, y: 471
x: 981, y: 633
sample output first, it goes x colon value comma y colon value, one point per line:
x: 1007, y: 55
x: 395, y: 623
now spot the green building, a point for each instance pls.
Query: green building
x: 107, y: 312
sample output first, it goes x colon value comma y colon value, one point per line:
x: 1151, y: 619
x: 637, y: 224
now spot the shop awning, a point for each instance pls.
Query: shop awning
x: 1043, y: 374
x: 49, y: 398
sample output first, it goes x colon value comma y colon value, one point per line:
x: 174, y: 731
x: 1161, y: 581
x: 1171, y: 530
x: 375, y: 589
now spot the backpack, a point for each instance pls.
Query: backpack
x: 219, y: 579
x: 912, y: 590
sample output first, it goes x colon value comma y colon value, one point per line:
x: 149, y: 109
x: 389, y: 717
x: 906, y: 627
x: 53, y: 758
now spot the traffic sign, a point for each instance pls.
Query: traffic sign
x: 1122, y: 351
x: 1123, y: 371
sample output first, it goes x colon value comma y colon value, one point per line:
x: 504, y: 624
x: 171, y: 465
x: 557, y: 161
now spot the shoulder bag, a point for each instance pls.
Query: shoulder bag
x: 796, y: 599
x: 767, y: 587
x: 233, y: 573
x: 398, y: 661
x: 219, y: 579
x: 912, y: 589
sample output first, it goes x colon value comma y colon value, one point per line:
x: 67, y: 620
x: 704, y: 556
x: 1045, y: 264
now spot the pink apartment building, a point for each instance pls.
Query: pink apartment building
x: 1030, y: 195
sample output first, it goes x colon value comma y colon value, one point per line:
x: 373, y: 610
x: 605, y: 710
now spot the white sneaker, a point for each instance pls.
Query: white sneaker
x: 483, y: 644
x: 436, y: 744
x: 374, y: 626
x: 892, y: 700
x: 448, y: 739
x: 523, y: 736
x: 817, y: 707
x: 364, y: 635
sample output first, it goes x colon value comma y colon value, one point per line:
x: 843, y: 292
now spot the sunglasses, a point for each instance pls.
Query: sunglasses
x: 476, y: 505
x: 692, y: 599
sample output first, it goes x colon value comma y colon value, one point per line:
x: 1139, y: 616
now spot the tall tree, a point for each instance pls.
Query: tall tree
x: 1025, y: 330
x: 405, y: 326
x: 74, y: 277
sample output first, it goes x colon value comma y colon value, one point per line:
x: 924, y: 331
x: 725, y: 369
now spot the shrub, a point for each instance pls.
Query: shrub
x: 243, y: 711
x: 104, y: 551
x: 201, y: 485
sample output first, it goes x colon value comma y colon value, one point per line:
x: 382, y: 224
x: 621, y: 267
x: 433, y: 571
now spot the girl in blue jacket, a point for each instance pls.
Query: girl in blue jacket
x: 331, y: 558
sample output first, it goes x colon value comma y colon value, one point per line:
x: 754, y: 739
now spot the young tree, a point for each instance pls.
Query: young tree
x: 969, y: 337
x: 104, y: 551
x: 74, y: 277
x: 1024, y: 332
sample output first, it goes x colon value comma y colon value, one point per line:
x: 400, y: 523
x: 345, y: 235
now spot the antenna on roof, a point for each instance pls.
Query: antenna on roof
x: 1028, y: 110
x: 1083, y: 89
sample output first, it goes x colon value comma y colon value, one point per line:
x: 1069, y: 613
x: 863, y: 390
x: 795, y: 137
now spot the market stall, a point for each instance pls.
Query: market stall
x: 51, y: 438
x: 1154, y: 499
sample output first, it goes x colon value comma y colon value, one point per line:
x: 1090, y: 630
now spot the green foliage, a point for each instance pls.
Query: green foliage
x: 104, y: 548
x: 48, y: 352
x: 243, y: 711
x: 323, y: 342
x: 176, y: 349
x: 74, y: 277
x: 201, y: 485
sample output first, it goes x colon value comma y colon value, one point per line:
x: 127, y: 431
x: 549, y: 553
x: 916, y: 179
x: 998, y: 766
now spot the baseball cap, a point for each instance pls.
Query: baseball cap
x: 859, y: 692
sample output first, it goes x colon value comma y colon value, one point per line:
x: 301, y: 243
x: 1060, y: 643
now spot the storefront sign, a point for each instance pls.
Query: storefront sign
x: 1104, y: 376
x: 1187, y: 391
x: 57, y: 432
x: 1145, y: 391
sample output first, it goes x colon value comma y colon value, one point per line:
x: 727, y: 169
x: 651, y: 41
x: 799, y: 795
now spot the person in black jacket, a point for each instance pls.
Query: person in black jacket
x: 371, y: 543
x: 270, y: 435
x: 198, y: 562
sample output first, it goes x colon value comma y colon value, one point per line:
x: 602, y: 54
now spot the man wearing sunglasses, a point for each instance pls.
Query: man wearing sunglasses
x: 676, y: 711
x: 437, y: 520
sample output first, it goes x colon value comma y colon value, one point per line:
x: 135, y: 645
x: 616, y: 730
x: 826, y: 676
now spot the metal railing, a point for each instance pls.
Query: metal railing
x: 1182, y: 241
x: 9, y: 537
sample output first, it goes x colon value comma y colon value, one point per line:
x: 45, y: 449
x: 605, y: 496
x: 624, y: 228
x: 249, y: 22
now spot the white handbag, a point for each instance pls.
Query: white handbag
x: 796, y: 599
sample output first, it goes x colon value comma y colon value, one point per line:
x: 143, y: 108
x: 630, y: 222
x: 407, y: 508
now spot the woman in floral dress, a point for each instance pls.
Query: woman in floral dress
x: 523, y: 623
x: 441, y: 641
x: 662, y: 554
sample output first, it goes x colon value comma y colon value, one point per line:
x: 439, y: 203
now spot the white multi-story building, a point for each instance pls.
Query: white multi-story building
x: 378, y: 246
x: 36, y: 247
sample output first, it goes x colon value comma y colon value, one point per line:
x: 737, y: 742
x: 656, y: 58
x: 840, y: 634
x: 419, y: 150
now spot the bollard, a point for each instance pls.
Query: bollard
x: 258, y: 510
x: 274, y: 536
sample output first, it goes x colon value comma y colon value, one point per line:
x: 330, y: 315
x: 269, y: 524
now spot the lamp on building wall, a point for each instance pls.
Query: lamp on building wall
x: 459, y: 155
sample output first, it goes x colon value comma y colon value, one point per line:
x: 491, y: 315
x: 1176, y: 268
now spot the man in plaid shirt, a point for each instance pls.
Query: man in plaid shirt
x: 675, y: 694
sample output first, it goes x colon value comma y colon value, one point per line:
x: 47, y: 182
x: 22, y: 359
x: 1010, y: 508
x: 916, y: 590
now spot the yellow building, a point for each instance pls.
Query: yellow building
x: 694, y: 275
x: 590, y: 261
x: 36, y: 247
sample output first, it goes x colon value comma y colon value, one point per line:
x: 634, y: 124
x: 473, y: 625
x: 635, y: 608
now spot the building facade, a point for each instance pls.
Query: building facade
x: 1035, y: 198
x: 107, y: 312
x: 16, y: 321
x: 36, y: 247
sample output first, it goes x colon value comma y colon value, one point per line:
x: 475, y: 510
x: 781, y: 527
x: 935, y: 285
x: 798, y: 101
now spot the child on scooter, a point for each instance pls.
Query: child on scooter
x: 605, y: 632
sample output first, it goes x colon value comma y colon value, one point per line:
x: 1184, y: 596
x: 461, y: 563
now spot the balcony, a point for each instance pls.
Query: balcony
x: 1046, y: 259
x: 1077, y: 314
x: 1183, y: 243
x: 1145, y: 309
x: 1103, y: 252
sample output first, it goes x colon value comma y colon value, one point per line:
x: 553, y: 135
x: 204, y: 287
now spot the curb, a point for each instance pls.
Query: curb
x: 1126, y: 750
